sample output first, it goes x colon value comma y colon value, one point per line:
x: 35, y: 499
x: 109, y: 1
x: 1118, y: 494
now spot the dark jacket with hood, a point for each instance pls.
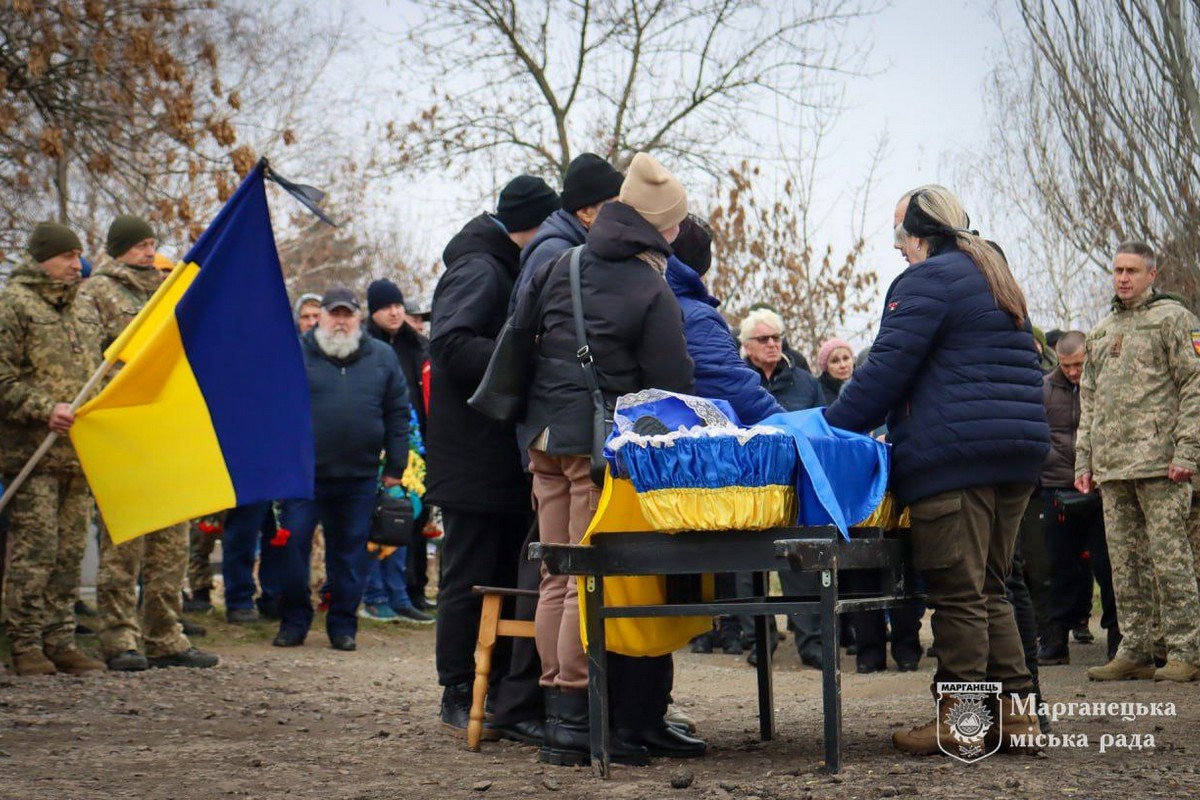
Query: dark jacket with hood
x: 561, y: 231
x: 721, y: 373
x: 634, y: 328
x: 359, y: 408
x: 958, y: 384
x: 831, y: 388
x: 473, y: 460
x: 413, y: 351
x: 794, y: 388
x: 1061, y: 398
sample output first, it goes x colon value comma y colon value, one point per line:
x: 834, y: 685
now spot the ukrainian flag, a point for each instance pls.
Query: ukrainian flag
x: 211, y: 409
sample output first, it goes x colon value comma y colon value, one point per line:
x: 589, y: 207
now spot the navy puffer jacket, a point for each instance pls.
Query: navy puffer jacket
x: 720, y: 371
x: 958, y: 385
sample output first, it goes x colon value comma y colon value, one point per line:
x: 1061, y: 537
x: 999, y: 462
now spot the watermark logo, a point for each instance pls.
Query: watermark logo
x: 966, y: 717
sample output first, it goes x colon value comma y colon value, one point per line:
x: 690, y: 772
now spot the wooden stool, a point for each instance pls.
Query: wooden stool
x: 490, y: 627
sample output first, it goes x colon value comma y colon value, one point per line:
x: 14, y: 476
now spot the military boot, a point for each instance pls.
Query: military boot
x: 1178, y: 671
x: 74, y: 661
x: 923, y: 740
x: 1052, y: 647
x: 33, y: 662
x: 1122, y: 669
x: 1013, y: 725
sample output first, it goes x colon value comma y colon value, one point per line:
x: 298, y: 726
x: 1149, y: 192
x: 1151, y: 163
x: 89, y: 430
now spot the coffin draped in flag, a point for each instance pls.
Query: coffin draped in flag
x: 211, y: 409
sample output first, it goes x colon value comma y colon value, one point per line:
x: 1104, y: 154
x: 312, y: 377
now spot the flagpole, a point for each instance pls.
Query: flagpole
x: 50, y: 439
x: 112, y: 355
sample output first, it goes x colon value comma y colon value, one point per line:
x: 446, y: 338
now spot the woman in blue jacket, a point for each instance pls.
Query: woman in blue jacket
x: 955, y: 375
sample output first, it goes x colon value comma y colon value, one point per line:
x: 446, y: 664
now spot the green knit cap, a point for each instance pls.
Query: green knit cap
x: 126, y: 231
x: 50, y: 239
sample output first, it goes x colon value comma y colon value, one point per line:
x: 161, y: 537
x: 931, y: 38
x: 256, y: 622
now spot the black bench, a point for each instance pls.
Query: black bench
x: 882, y: 556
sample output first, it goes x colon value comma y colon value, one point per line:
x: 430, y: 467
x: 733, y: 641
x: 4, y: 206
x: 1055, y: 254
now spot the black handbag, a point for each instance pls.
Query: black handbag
x: 601, y: 417
x: 393, y: 520
x: 1076, y: 505
x: 504, y: 389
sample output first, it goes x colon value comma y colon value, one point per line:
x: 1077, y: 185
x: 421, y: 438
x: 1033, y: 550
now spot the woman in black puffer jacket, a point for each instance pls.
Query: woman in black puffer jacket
x: 635, y: 335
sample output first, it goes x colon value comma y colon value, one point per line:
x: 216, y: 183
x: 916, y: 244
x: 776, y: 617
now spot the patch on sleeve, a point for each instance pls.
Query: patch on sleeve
x: 1196, y: 341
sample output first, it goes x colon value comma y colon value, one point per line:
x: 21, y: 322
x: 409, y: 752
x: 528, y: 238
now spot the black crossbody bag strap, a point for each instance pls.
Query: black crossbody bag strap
x: 587, y: 363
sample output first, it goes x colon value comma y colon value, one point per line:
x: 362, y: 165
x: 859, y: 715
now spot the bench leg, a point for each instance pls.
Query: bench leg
x: 831, y: 673
x: 762, y: 647
x: 597, y: 675
x: 489, y: 621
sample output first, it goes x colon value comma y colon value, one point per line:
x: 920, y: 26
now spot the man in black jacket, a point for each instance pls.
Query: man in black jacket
x: 390, y: 323
x: 475, y: 472
x: 359, y: 408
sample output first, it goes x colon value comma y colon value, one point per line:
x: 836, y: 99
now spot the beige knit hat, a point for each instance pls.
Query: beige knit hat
x: 654, y: 192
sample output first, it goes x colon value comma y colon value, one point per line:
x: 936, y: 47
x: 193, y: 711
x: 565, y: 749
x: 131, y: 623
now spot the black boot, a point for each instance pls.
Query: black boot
x: 1052, y: 649
x: 456, y: 707
x: 567, y: 740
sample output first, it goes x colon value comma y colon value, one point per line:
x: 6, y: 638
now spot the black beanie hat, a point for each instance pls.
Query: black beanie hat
x: 590, y: 180
x: 50, y: 239
x: 383, y: 293
x: 693, y: 245
x: 126, y: 231
x: 525, y: 203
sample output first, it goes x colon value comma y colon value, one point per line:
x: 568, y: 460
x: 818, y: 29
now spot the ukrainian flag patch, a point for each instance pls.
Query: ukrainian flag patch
x: 1196, y: 341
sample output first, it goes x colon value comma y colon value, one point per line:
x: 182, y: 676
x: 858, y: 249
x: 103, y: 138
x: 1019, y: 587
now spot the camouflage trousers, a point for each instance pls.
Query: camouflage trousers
x: 48, y: 533
x: 160, y: 559
x: 200, y: 550
x: 1152, y: 558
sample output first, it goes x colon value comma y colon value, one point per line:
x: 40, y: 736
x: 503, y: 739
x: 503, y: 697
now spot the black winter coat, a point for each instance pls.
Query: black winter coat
x: 359, y: 408
x: 473, y: 460
x: 413, y: 351
x: 634, y: 328
x: 1061, y: 398
x: 958, y: 383
x: 792, y: 387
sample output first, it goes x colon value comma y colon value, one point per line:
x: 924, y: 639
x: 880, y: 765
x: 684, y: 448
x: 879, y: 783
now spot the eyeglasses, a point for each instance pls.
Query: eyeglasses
x: 773, y: 337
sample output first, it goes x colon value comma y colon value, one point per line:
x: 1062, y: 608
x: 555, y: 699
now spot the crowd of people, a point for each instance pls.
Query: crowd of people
x: 1032, y: 466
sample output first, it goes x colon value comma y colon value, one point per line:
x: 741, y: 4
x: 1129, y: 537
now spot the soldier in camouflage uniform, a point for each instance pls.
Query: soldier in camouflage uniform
x: 47, y: 354
x: 119, y: 287
x: 203, y: 535
x: 1139, y: 441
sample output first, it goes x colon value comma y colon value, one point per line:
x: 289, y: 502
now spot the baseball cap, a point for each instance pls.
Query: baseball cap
x: 340, y: 298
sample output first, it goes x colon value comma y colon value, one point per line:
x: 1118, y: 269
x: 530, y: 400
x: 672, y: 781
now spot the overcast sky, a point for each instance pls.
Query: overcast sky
x: 930, y: 61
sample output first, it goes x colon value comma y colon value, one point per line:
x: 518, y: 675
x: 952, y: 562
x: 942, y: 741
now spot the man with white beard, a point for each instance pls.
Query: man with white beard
x: 359, y: 409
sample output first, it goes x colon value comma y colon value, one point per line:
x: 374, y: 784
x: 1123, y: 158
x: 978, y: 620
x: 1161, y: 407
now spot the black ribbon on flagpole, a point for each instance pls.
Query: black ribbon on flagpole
x: 308, y: 196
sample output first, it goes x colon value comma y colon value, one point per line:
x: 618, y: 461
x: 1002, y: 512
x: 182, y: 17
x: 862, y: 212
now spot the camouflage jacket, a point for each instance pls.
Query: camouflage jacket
x: 1140, y: 392
x: 114, y: 295
x: 47, y: 354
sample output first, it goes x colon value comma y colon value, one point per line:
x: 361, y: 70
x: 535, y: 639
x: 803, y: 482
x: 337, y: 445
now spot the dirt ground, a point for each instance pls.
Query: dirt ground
x: 314, y: 723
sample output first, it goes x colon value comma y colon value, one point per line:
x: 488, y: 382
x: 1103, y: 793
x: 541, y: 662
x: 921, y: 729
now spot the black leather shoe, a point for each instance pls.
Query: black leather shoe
x: 456, y: 707
x: 344, y: 643
x: 868, y: 669
x: 907, y: 666
x: 527, y: 731
x: 192, y: 629
x: 664, y: 742
x: 702, y: 643
x: 813, y: 660
x: 128, y: 661
x: 1083, y: 634
x: 288, y: 639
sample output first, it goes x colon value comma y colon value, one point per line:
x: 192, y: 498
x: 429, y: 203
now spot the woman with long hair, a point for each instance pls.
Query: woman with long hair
x: 955, y: 376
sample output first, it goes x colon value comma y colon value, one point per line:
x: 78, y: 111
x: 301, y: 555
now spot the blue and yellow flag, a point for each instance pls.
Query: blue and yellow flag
x: 211, y: 409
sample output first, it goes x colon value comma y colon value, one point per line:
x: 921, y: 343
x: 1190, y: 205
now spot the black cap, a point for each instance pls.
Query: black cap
x: 525, y: 203
x: 340, y: 298
x: 589, y: 180
x: 383, y: 293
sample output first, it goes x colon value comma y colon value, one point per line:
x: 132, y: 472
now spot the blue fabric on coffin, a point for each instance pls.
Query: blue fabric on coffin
x: 843, y: 475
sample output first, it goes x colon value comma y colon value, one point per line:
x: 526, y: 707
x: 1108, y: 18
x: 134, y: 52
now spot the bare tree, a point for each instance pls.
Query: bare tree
x: 151, y: 106
x: 533, y: 83
x: 766, y: 250
x: 1097, y: 116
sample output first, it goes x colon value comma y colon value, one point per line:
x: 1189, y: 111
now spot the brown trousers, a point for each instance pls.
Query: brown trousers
x: 963, y: 543
x: 566, y: 499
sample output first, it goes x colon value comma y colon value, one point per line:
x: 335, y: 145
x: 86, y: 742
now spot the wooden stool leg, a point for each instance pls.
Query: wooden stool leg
x: 489, y: 620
